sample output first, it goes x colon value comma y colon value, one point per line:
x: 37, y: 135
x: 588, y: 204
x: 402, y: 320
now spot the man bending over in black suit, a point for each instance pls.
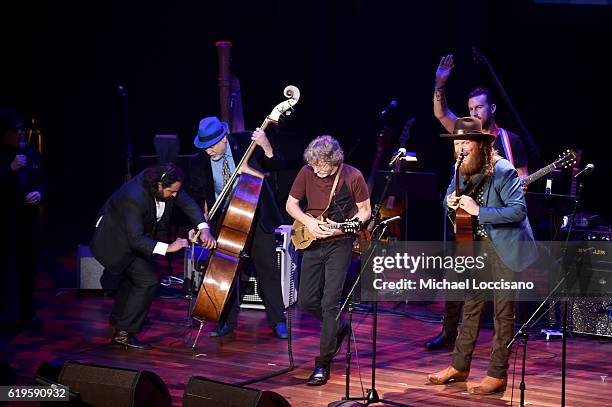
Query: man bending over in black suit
x: 125, y: 241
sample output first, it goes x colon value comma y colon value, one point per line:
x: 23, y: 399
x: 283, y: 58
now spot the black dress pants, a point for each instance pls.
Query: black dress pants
x: 134, y: 296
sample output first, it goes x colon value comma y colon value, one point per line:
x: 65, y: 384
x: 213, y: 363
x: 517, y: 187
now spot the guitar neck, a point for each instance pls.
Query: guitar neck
x: 538, y: 174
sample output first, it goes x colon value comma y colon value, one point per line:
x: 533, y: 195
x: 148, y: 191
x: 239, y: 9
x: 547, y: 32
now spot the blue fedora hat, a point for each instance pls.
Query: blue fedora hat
x: 211, y: 130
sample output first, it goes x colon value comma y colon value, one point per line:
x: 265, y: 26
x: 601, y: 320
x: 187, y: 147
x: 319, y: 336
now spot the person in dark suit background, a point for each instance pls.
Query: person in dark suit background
x: 125, y: 240
x: 208, y: 173
x: 24, y: 189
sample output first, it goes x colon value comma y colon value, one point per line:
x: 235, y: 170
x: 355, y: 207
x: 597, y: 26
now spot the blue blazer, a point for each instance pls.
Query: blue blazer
x: 505, y: 216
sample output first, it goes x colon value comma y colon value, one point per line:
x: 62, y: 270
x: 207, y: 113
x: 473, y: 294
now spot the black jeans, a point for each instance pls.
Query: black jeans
x: 134, y: 296
x: 322, y: 275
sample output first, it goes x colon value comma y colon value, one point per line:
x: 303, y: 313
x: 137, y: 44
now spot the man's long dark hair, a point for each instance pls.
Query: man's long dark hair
x: 166, y: 174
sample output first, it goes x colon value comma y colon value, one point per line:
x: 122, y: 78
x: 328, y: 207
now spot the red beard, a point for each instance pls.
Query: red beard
x: 473, y: 165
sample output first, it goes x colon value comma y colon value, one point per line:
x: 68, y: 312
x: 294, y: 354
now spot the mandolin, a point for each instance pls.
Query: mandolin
x: 302, y: 238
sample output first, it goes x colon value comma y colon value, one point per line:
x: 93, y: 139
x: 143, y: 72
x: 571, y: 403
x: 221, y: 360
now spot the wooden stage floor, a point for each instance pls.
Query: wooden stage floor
x: 76, y: 328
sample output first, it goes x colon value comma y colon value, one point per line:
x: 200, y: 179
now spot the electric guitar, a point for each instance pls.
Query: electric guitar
x: 302, y: 238
x: 565, y: 160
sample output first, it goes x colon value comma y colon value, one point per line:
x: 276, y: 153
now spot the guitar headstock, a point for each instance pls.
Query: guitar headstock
x: 351, y: 226
x: 460, y: 158
x: 566, y: 159
x: 406, y: 132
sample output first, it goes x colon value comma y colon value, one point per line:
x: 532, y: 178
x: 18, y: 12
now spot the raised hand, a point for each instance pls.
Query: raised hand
x: 444, y: 70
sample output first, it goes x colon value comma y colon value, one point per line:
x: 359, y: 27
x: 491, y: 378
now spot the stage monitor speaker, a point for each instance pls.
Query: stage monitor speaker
x: 202, y: 392
x: 115, y: 387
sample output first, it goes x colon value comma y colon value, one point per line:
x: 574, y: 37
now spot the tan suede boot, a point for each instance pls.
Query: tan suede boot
x: 448, y: 375
x: 489, y: 385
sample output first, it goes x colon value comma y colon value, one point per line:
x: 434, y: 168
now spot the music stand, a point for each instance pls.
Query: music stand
x: 418, y: 190
x: 549, y: 207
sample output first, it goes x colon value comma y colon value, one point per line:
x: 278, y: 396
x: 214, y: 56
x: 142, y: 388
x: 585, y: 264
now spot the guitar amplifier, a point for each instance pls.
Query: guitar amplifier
x: 287, y: 264
x: 593, y: 315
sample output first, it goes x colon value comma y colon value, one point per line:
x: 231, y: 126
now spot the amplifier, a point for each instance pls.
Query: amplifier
x: 287, y: 263
x: 592, y: 316
x: 599, y: 233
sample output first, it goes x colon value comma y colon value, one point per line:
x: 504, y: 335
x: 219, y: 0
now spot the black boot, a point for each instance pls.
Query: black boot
x: 440, y: 341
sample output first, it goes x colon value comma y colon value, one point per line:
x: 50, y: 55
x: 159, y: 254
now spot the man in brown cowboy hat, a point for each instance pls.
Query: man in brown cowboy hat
x: 499, y: 217
x: 481, y: 105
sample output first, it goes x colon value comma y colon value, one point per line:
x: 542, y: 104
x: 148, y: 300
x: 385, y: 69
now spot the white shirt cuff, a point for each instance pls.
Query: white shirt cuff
x: 160, y: 248
x: 203, y: 225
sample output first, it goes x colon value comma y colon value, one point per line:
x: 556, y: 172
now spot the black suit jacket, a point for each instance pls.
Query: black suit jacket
x: 129, y: 226
x: 199, y: 181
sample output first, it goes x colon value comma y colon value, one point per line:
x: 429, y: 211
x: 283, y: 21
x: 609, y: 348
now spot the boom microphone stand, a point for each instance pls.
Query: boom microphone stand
x: 523, y: 330
x: 126, y: 132
x: 372, y: 396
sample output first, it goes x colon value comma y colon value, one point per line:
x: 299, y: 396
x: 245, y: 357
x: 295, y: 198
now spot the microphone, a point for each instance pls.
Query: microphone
x: 387, y: 109
x: 586, y: 170
x: 393, y: 219
x: 400, y: 153
x: 232, y: 100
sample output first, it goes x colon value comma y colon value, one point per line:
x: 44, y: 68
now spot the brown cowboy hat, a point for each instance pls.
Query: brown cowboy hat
x: 468, y: 128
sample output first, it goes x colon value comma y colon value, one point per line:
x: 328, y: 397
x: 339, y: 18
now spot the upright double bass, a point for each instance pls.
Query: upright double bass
x: 242, y: 191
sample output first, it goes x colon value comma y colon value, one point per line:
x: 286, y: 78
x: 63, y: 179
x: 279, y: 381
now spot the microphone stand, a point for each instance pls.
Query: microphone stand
x: 372, y: 396
x: 523, y: 330
x: 126, y: 133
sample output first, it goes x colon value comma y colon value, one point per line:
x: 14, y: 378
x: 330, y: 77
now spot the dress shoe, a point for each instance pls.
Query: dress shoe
x: 344, y: 331
x: 442, y: 340
x: 448, y: 375
x: 222, y: 330
x: 130, y: 341
x: 280, y: 330
x: 319, y: 377
x: 489, y: 385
